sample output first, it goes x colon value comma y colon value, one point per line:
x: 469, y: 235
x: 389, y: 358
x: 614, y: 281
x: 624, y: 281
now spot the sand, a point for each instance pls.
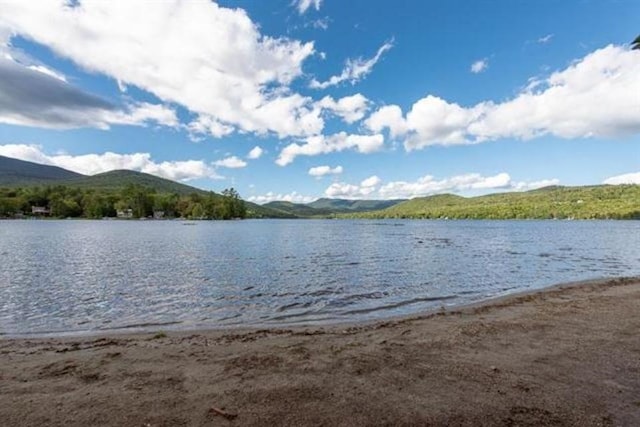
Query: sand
x: 568, y: 355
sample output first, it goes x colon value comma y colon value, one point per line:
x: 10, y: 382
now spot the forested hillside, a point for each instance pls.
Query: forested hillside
x: 594, y: 202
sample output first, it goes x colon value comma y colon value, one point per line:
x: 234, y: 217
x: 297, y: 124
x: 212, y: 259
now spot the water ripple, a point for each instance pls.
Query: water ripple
x: 82, y: 276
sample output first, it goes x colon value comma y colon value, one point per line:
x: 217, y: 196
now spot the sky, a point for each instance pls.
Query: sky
x: 297, y: 100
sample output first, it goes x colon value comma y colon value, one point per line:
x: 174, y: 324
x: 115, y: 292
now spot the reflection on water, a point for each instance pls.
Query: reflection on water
x: 96, y: 275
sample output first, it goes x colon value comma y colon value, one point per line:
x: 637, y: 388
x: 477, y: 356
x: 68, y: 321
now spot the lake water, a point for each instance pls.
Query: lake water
x: 80, y: 276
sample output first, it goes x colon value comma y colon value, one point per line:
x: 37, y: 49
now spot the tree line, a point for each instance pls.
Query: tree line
x: 134, y: 201
x: 596, y: 202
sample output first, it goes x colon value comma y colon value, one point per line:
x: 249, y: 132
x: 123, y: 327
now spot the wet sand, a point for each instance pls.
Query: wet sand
x: 565, y: 356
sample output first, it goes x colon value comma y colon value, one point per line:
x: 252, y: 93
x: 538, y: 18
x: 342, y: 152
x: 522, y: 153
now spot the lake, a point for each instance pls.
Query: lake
x: 85, y: 276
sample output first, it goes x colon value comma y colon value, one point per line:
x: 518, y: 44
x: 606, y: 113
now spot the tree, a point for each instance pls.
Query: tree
x: 234, y: 206
x: 197, y: 212
x: 635, y: 44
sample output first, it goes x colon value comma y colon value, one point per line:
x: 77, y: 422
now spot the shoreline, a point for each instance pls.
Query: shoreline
x: 136, y: 330
x: 567, y: 354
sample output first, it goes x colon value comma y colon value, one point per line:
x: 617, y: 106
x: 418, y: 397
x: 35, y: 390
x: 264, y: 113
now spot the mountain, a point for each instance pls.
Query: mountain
x: 14, y: 172
x: 121, y: 178
x: 335, y: 205
x: 600, y: 201
x: 329, y: 207
x: 20, y: 173
x: 298, y: 210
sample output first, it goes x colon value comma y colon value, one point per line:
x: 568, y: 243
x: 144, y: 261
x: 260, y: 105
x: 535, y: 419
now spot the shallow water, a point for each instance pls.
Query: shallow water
x: 85, y: 276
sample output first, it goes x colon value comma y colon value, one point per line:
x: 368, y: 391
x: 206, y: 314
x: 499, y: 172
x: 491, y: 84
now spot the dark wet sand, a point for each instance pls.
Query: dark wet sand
x: 565, y: 356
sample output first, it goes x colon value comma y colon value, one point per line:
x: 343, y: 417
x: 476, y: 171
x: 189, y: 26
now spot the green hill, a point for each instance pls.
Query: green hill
x: 336, y: 205
x: 602, y: 201
x: 121, y: 178
x: 323, y: 208
x: 14, y: 172
x: 298, y: 210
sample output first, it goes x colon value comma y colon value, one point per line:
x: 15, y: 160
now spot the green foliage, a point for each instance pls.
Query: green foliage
x: 323, y: 208
x: 73, y: 202
x: 595, y: 202
x: 343, y: 205
x: 18, y: 174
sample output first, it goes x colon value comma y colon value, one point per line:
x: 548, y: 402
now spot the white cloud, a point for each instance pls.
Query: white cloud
x: 204, y: 124
x: 321, y: 144
x: 320, y: 171
x: 209, y: 59
x: 532, y: 185
x: 372, y: 187
x: 354, y: 70
x: 293, y: 197
x: 545, y: 39
x: 596, y: 96
x: 143, y: 112
x: 479, y: 66
x: 350, y: 108
x: 90, y: 164
x: 255, y: 153
x: 304, y: 5
x: 389, y: 116
x: 231, y: 162
x: 627, y: 178
x: 428, y: 185
x: 350, y: 191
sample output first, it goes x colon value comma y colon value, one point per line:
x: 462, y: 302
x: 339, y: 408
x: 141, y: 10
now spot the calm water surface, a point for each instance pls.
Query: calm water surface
x: 79, y: 276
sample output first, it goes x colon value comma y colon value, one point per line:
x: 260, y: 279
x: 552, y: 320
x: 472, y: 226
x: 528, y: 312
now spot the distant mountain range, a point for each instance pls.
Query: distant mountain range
x: 600, y: 201
x: 20, y: 173
x: 330, y: 207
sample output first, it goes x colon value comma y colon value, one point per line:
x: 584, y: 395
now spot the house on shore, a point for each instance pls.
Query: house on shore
x: 125, y: 213
x: 40, y: 210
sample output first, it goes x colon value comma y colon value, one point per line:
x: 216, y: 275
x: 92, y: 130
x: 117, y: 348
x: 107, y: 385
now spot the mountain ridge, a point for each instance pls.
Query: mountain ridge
x: 16, y: 173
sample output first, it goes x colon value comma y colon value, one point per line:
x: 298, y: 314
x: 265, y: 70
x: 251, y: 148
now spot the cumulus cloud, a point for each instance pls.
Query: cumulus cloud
x: 231, y: 162
x: 354, y: 69
x: 209, y: 59
x: 321, y: 144
x: 255, y: 153
x: 479, y: 66
x: 374, y: 188
x: 293, y: 197
x: 304, y: 5
x: 350, y: 108
x: 204, y: 124
x: 596, y: 96
x: 350, y: 191
x: 428, y: 185
x: 627, y: 178
x: 389, y: 116
x: 29, y: 96
x: 90, y: 164
x: 320, y: 171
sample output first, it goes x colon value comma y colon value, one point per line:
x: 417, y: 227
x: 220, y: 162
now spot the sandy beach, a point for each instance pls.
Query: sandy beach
x: 568, y: 355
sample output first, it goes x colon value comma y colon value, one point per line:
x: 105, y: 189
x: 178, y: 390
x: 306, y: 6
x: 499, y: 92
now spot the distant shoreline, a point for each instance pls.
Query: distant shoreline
x: 314, y: 218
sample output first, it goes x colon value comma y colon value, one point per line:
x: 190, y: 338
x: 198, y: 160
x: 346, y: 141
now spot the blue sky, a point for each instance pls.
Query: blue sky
x: 357, y: 99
